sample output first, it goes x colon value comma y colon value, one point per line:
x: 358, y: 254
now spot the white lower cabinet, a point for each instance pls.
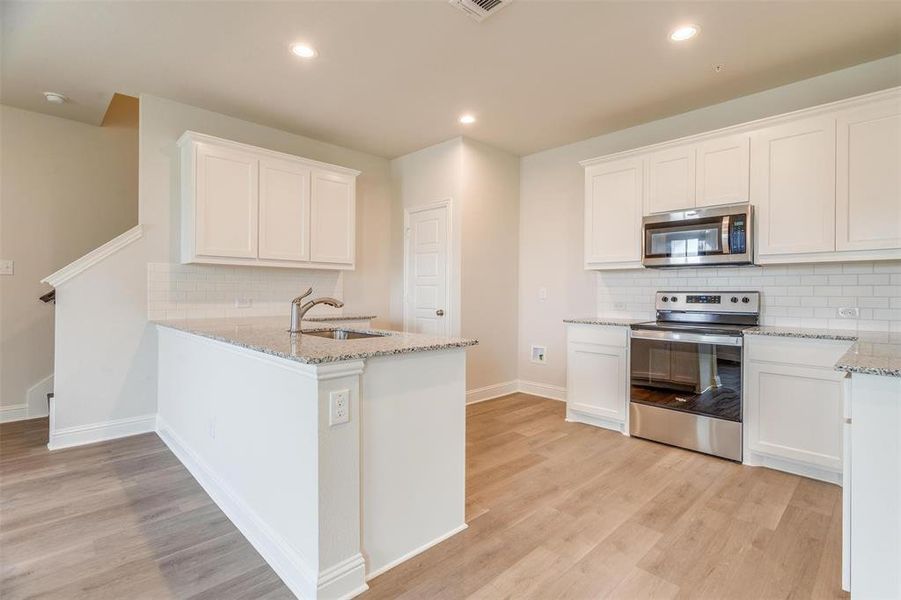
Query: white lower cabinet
x: 793, y: 405
x: 871, y: 516
x: 597, y: 375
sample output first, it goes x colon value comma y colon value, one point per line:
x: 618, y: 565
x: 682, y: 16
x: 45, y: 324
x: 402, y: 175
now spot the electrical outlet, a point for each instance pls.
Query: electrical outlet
x: 243, y: 302
x: 539, y: 354
x: 7, y: 266
x: 619, y: 306
x: 339, y: 407
x: 542, y: 293
x: 848, y: 312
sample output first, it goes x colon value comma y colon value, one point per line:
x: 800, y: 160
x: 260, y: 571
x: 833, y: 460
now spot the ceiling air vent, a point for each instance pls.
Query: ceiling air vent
x: 480, y: 9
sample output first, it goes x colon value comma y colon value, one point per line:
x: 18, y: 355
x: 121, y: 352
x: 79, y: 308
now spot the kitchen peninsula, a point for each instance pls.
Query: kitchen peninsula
x: 336, y: 458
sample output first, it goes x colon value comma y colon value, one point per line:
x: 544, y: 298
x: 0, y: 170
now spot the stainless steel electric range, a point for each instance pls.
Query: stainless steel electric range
x: 685, y: 375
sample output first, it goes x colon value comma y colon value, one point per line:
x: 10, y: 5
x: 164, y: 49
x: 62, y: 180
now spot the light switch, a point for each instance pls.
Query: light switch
x: 7, y: 265
x: 542, y: 293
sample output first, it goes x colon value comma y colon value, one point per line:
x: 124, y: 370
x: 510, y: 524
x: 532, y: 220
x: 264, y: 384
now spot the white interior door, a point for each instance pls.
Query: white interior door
x: 427, y: 285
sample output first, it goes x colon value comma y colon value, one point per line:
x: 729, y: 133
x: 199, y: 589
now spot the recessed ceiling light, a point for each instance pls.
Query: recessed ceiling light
x: 304, y: 50
x: 55, y: 98
x: 684, y: 32
x: 467, y: 119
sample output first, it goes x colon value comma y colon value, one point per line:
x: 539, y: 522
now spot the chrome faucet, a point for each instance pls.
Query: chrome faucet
x: 299, y: 311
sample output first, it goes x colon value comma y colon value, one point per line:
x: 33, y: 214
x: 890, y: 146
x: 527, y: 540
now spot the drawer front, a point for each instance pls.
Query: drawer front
x: 607, y: 335
x: 795, y: 351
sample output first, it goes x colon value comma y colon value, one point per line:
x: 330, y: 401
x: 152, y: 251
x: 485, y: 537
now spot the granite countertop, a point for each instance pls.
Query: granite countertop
x: 873, y: 353
x: 613, y: 321
x: 329, y: 318
x: 269, y: 336
x: 800, y: 332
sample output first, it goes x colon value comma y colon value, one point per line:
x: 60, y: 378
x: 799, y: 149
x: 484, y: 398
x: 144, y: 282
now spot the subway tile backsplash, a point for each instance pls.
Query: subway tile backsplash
x: 791, y: 295
x: 176, y: 291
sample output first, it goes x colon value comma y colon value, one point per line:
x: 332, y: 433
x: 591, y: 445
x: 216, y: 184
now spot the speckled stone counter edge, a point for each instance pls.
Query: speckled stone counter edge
x: 322, y: 350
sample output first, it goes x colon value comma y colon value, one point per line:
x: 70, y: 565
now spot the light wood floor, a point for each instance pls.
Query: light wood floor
x: 116, y: 520
x: 555, y: 510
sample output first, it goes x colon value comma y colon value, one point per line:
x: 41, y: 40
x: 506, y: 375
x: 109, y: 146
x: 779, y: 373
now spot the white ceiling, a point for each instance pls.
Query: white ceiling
x: 392, y: 77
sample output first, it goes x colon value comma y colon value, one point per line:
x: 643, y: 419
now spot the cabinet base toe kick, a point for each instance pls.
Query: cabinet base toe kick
x: 696, y: 432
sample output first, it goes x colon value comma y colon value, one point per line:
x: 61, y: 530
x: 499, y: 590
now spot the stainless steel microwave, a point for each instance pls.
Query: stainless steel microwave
x: 704, y: 236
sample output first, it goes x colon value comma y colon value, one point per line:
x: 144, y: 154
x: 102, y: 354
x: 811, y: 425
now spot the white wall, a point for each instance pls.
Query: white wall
x: 551, y: 202
x: 106, y: 363
x: 483, y: 183
x: 67, y: 187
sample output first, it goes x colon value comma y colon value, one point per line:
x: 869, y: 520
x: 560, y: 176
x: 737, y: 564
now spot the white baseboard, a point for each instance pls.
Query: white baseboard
x: 412, y: 553
x: 36, y: 397
x: 490, y: 392
x: 16, y: 412
x: 753, y: 459
x: 545, y: 390
x: 300, y: 577
x: 100, y: 432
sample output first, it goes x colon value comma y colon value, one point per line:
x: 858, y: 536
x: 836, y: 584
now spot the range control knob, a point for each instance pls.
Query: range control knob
x: 734, y: 299
x: 745, y: 300
x: 674, y: 299
x: 665, y: 299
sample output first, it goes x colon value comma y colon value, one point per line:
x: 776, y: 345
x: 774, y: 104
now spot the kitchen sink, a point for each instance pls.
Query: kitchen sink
x: 342, y: 334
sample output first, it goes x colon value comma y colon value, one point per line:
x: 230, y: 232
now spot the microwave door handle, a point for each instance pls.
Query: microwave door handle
x: 724, y: 234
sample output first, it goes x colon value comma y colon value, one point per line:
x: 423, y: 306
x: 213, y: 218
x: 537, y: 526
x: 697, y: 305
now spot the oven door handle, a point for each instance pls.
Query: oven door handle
x: 688, y: 338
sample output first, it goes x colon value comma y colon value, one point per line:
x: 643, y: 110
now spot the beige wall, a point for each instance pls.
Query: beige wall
x: 66, y: 188
x: 163, y: 121
x: 551, y: 202
x: 483, y: 184
x: 106, y: 361
x: 490, y: 263
x: 423, y: 177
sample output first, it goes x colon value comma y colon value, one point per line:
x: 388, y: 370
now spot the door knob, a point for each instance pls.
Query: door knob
x: 440, y: 312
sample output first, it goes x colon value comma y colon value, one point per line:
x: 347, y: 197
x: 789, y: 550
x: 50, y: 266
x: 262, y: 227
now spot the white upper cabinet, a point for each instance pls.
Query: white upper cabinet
x: 243, y: 205
x: 708, y: 173
x: 613, y: 209
x: 723, y: 170
x: 868, y: 182
x: 332, y: 218
x: 227, y: 202
x: 793, y: 187
x: 825, y: 181
x: 284, y: 210
x: 671, y: 180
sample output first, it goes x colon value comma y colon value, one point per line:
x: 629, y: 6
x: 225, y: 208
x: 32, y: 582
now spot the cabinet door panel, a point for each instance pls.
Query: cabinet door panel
x: 332, y: 215
x: 793, y: 186
x: 613, y: 213
x: 596, y: 380
x: 868, y: 181
x: 284, y: 210
x: 795, y: 413
x: 724, y: 170
x: 227, y: 201
x: 671, y: 180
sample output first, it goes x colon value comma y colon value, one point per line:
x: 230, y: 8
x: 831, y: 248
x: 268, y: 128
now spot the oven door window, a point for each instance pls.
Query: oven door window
x: 684, y: 241
x: 702, y: 379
